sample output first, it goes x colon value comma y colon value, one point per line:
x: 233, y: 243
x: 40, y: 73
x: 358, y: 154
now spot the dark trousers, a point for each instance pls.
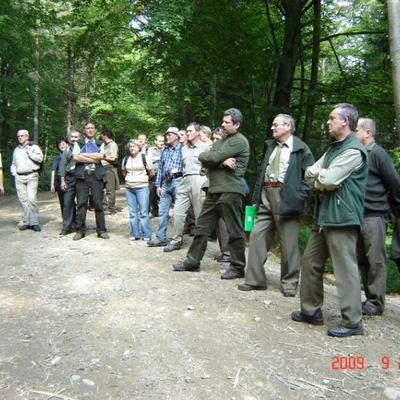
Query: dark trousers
x: 61, y: 195
x: 154, y: 199
x: 90, y: 186
x: 229, y: 207
x: 69, y: 208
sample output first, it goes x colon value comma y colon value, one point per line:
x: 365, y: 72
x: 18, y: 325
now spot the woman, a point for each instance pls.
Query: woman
x: 55, y: 183
x: 137, y: 168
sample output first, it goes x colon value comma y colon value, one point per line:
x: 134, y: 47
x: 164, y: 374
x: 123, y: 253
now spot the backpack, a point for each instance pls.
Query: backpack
x: 150, y: 173
x: 41, y: 164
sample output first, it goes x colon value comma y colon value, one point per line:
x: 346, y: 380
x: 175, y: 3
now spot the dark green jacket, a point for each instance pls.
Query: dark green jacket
x: 222, y: 179
x: 295, y: 190
x: 80, y: 168
x: 344, y: 206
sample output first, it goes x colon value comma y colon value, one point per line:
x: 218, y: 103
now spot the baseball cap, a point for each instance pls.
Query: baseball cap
x: 173, y: 130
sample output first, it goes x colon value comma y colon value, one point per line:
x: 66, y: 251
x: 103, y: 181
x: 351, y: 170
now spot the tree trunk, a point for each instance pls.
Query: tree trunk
x: 36, y: 85
x: 394, y: 38
x: 70, y: 88
x: 314, y: 70
x: 289, y: 55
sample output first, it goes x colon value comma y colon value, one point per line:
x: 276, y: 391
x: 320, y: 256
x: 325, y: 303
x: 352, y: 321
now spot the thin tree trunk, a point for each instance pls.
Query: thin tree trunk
x: 70, y: 88
x: 314, y: 70
x: 394, y: 38
x: 36, y: 85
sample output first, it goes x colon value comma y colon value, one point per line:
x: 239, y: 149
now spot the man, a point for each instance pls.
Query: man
x: 89, y: 174
x: 341, y: 176
x: 25, y: 167
x: 144, y: 143
x: 110, y: 161
x: 155, y: 155
x: 382, y: 192
x: 182, y: 136
x: 190, y: 193
x: 280, y: 195
x: 1, y: 177
x: 68, y: 184
x: 168, y: 179
x: 226, y: 162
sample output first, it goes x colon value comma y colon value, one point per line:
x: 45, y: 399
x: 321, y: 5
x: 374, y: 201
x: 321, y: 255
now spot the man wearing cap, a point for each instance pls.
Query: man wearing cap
x: 190, y: 193
x: 25, y: 167
x: 168, y: 178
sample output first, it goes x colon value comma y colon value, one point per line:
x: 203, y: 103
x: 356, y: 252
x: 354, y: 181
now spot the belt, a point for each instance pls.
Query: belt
x: 273, y: 184
x: 90, y: 171
x: 27, y: 173
x: 176, y: 175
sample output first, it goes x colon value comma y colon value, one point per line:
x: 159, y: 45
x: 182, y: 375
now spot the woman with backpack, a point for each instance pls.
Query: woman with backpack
x: 137, y: 169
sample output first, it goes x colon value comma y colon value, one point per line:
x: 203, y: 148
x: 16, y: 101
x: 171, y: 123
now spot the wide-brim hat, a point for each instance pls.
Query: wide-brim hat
x: 173, y: 130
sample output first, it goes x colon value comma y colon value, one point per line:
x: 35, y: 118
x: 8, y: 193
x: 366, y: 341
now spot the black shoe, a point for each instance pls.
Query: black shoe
x: 222, y: 258
x: 78, y: 236
x: 103, y: 235
x: 371, y: 310
x: 156, y: 243
x: 172, y: 247
x: 316, y: 319
x: 36, y: 228
x: 344, y: 331
x: 232, y: 274
x: 183, y: 267
x: 65, y: 232
x: 247, y: 288
x: 24, y: 227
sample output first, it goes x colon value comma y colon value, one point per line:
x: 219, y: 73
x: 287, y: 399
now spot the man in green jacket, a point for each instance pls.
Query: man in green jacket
x: 341, y: 176
x: 280, y: 197
x: 226, y: 163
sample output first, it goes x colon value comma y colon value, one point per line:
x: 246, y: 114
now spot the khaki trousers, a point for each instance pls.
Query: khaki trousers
x: 340, y: 244
x: 266, y: 226
x: 27, y: 187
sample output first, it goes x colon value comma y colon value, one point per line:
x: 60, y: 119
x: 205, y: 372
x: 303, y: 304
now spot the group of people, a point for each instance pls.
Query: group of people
x: 355, y: 181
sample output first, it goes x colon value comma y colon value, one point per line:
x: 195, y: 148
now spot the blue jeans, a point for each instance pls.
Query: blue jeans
x: 168, y: 195
x: 138, y: 201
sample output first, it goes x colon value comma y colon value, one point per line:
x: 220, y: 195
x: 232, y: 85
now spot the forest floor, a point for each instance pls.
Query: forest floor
x: 109, y: 319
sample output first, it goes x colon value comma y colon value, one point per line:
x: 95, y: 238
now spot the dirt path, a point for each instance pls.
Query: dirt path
x: 109, y: 319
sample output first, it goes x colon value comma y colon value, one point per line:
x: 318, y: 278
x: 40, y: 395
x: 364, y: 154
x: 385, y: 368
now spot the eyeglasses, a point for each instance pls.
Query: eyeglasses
x: 276, y: 125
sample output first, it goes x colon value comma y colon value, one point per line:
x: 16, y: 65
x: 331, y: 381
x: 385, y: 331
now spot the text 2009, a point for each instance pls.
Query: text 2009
x: 358, y: 363
x: 348, y: 362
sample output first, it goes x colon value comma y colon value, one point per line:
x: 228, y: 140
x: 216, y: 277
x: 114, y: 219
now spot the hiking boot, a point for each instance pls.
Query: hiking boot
x: 156, y: 243
x: 371, y: 310
x: 345, y: 331
x: 172, y: 247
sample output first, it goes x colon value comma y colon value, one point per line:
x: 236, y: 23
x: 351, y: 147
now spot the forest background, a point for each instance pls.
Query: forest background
x: 139, y: 66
